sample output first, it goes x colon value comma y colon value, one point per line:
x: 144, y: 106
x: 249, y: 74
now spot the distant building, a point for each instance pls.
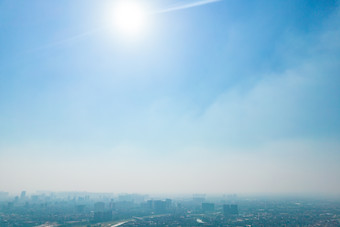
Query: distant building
x: 80, y: 208
x: 103, y: 216
x: 159, y: 206
x: 10, y: 205
x: 149, y: 204
x: 230, y: 209
x: 208, y: 207
x: 34, y: 198
x: 112, y: 205
x: 23, y: 195
x: 168, y: 203
x: 99, y: 206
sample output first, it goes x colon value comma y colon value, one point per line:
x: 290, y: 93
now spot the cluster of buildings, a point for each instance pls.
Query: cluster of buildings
x: 104, y: 209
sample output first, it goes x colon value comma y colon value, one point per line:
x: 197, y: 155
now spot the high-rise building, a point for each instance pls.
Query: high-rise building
x: 168, y: 203
x: 80, y: 208
x: 208, y: 207
x: 149, y: 204
x: 99, y: 206
x: 159, y: 206
x: 23, y: 195
x: 112, y: 205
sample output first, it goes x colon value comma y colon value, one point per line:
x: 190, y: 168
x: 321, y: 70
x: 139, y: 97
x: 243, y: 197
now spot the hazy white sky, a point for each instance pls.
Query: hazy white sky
x: 285, y: 167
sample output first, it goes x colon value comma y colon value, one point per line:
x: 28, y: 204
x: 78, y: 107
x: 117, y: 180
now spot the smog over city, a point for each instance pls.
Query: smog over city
x: 169, y: 113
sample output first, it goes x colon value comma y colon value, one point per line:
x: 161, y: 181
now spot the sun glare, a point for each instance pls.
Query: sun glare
x: 129, y: 17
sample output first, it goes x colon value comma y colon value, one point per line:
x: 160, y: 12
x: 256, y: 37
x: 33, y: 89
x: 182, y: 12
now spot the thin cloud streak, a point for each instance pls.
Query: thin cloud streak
x: 187, y: 6
x: 67, y: 40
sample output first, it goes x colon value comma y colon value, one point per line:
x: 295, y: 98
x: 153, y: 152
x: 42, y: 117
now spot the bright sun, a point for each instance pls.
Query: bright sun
x: 129, y: 17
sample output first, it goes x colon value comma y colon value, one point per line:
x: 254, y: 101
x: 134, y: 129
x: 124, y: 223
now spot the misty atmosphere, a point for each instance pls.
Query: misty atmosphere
x: 169, y: 113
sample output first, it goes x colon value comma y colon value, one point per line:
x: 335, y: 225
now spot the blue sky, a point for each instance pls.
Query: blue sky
x: 247, y: 89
